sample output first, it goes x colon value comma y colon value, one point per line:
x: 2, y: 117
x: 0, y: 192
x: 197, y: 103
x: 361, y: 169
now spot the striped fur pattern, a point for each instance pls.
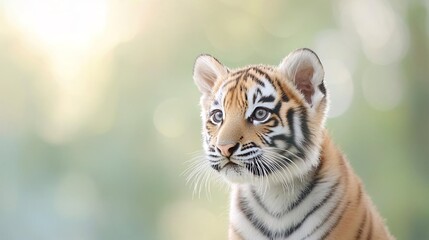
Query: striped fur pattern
x: 263, y: 132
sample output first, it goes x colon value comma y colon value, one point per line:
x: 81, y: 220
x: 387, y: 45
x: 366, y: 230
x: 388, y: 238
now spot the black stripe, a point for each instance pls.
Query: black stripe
x: 263, y: 140
x: 254, y: 78
x: 255, y: 95
x: 239, y: 72
x: 359, y: 197
x: 285, y: 98
x: 247, y: 153
x: 265, y: 75
x: 248, y: 145
x: 232, y: 80
x: 369, y: 235
x: 278, y: 119
x: 304, y: 126
x: 276, y: 109
x: 281, y: 137
x: 322, y: 88
x: 244, y: 90
x: 361, y: 226
x: 271, y: 124
x: 336, y: 222
x: 265, y: 99
x: 290, y: 119
x: 216, y: 167
x: 214, y: 161
x: 269, y: 68
x: 363, y: 221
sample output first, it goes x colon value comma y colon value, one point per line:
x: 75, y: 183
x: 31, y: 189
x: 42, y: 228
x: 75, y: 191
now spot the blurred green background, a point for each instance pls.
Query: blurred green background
x: 98, y: 111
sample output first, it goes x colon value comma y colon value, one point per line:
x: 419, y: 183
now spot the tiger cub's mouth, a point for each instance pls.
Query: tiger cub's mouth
x: 231, y: 163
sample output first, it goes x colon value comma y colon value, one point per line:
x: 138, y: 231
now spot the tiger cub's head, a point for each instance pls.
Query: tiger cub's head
x: 262, y: 122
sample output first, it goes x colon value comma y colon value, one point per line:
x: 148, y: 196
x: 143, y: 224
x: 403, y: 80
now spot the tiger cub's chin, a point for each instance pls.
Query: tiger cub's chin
x: 264, y: 126
x: 235, y: 174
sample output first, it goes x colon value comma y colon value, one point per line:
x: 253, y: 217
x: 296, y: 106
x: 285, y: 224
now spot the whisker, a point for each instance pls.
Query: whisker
x: 198, y: 174
x: 290, y: 152
x: 279, y: 177
x: 268, y: 150
x: 280, y: 157
x: 281, y: 165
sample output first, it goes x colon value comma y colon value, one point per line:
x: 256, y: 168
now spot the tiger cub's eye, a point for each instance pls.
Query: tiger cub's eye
x: 216, y: 116
x: 261, y: 114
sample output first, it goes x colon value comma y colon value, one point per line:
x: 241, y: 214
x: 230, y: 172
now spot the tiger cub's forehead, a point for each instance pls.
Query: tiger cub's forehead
x: 247, y: 88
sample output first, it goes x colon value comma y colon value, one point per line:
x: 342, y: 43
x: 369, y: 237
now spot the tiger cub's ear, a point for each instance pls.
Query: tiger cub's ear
x: 207, y: 70
x: 304, y: 69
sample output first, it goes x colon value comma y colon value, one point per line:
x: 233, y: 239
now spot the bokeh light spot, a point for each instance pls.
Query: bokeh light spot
x: 336, y: 44
x: 340, y: 87
x: 54, y: 22
x: 382, y: 87
x: 383, y: 34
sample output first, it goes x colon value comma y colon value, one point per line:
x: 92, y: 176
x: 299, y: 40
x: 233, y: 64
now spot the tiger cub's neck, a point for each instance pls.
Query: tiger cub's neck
x: 308, y: 208
x: 275, y: 200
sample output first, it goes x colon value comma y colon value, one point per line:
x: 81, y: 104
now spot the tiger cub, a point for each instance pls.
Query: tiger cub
x: 263, y: 131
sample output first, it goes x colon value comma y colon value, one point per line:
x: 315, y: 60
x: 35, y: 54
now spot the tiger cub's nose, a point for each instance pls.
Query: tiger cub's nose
x: 227, y: 149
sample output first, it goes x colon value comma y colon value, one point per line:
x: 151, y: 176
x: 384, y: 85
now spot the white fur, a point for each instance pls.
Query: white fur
x: 276, y: 200
x: 299, y: 136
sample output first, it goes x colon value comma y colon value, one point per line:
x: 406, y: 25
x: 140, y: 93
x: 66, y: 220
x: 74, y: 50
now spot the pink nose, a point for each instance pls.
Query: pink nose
x: 227, y: 149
